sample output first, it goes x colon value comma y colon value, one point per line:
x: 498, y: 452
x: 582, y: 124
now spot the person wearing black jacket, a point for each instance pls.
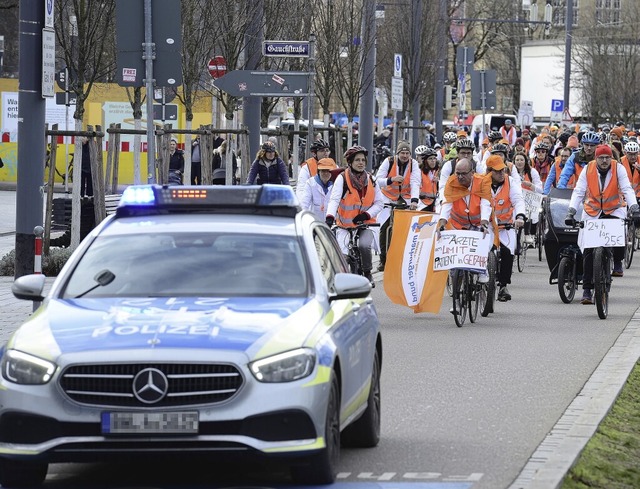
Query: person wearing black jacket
x: 86, y: 179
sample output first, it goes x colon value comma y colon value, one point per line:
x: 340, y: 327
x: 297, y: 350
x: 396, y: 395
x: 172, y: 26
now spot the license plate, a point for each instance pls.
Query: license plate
x: 150, y: 423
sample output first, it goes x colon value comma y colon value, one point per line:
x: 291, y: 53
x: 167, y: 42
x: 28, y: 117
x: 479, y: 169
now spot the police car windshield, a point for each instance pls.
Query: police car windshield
x: 191, y: 265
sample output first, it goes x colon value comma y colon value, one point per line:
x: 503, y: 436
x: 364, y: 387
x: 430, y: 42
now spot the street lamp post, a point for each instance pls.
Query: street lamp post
x: 567, y: 53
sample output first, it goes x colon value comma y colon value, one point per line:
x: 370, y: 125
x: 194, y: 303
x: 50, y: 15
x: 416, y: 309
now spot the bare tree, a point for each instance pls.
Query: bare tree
x: 86, y: 36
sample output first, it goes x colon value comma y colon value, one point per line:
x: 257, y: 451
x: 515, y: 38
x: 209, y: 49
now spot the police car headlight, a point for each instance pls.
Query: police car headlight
x: 21, y: 368
x: 285, y: 367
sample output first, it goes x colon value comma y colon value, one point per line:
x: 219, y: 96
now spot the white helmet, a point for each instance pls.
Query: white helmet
x: 631, y: 147
x: 449, y: 137
x: 420, y: 150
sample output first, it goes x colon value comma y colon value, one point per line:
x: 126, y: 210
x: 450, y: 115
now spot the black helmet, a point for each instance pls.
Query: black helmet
x: 350, y: 154
x: 500, y: 148
x: 319, y: 144
x: 268, y: 146
x: 464, y: 143
x: 495, y: 136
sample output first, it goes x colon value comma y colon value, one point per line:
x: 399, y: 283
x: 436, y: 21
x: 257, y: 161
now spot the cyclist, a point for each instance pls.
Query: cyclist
x: 501, y: 150
x: 309, y: 168
x: 355, y: 199
x: 542, y: 161
x: 530, y: 181
x: 599, y: 189
x: 448, y: 139
x: 399, y: 177
x: 428, y: 161
x: 317, y: 190
x: 464, y: 149
x: 630, y: 158
x: 579, y: 159
x: 494, y: 138
x: 509, y: 208
x: 556, y: 169
x: 467, y: 203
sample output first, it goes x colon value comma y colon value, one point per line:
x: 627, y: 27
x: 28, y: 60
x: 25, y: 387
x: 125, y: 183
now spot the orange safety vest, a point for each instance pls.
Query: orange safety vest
x: 312, y: 163
x: 571, y: 183
x: 464, y: 216
x: 636, y: 183
x: 503, y: 208
x: 395, y: 190
x: 352, y: 204
x: 625, y: 162
x: 429, y: 189
x: 606, y: 200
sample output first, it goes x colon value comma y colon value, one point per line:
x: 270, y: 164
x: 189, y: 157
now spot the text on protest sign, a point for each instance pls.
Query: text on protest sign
x: 532, y: 202
x: 462, y: 249
x: 601, y: 232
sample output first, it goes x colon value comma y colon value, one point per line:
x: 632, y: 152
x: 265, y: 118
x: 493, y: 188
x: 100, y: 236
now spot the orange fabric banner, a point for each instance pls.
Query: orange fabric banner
x: 409, y: 279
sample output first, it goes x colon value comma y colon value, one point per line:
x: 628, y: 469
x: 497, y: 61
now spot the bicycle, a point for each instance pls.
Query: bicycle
x: 569, y: 271
x: 522, y: 246
x: 467, y: 293
x: 388, y: 229
x: 354, y: 258
x: 493, y: 269
x: 630, y: 242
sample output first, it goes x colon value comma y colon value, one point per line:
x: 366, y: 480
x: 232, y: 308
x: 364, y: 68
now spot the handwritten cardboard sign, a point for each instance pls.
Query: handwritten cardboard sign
x: 532, y: 202
x: 461, y: 249
x: 601, y: 232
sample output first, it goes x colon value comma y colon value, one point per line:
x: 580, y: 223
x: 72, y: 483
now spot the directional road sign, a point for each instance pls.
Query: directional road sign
x: 245, y: 83
x: 483, y: 89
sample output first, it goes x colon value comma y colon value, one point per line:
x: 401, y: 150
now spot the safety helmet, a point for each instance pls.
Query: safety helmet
x: 449, y: 137
x: 465, y: 143
x: 631, y: 147
x: 429, y: 152
x: 544, y: 146
x: 495, y: 136
x: 319, y: 144
x: 420, y: 150
x: 591, y: 137
x: 350, y: 154
x: 499, y: 148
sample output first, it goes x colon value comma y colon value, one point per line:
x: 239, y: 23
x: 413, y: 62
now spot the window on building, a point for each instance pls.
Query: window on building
x: 560, y: 12
x: 608, y: 12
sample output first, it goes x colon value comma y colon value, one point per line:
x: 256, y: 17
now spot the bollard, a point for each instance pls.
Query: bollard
x: 37, y: 263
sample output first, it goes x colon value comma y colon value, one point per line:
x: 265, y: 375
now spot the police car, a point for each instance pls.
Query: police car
x: 195, y: 320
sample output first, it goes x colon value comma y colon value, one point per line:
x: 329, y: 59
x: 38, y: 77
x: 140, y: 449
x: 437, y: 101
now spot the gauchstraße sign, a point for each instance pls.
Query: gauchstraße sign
x: 286, y: 48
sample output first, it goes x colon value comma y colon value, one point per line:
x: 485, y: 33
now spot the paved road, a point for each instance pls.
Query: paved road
x: 511, y: 398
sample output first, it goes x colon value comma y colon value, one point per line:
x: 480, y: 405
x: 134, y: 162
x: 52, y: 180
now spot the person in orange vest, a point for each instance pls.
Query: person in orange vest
x: 399, y: 178
x: 630, y: 158
x: 467, y: 203
x: 508, y: 132
x: 509, y: 209
x: 319, y: 149
x: 428, y: 161
x: 599, y: 189
x: 632, y: 148
x: 355, y: 199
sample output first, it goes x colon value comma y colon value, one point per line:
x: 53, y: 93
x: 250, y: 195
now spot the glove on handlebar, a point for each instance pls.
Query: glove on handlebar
x: 361, y: 218
x: 569, y: 220
x: 330, y: 220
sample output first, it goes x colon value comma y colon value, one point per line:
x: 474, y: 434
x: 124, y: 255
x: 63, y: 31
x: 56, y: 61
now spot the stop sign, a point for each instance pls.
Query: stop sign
x: 217, y: 67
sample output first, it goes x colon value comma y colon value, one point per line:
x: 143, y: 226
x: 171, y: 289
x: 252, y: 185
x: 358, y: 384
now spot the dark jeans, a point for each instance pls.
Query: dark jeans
x: 86, y: 184
x: 196, y: 173
x: 506, y: 266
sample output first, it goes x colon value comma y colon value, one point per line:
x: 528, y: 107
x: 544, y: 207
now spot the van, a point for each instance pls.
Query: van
x: 495, y: 122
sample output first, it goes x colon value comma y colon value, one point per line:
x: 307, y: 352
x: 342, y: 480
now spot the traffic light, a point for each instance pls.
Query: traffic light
x: 450, y: 96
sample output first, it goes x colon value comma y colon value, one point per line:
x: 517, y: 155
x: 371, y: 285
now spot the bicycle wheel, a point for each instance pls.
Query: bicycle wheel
x: 490, y: 286
x: 460, y: 303
x: 630, y: 244
x: 473, y: 295
x: 449, y: 284
x: 522, y: 255
x: 601, y: 272
x: 566, y: 280
x: 540, y: 234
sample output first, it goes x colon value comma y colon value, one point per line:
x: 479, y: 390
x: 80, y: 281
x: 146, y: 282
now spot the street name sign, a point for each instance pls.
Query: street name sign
x: 298, y: 49
x: 246, y: 83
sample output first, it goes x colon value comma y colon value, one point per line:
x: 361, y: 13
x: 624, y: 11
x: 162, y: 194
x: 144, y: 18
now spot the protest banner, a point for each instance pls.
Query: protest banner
x: 409, y: 278
x: 461, y: 249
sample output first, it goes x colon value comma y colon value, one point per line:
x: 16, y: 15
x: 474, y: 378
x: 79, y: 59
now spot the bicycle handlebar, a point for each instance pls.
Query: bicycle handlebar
x: 397, y: 205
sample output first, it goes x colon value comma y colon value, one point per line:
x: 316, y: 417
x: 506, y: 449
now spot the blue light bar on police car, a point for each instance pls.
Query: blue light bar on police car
x: 213, y: 196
